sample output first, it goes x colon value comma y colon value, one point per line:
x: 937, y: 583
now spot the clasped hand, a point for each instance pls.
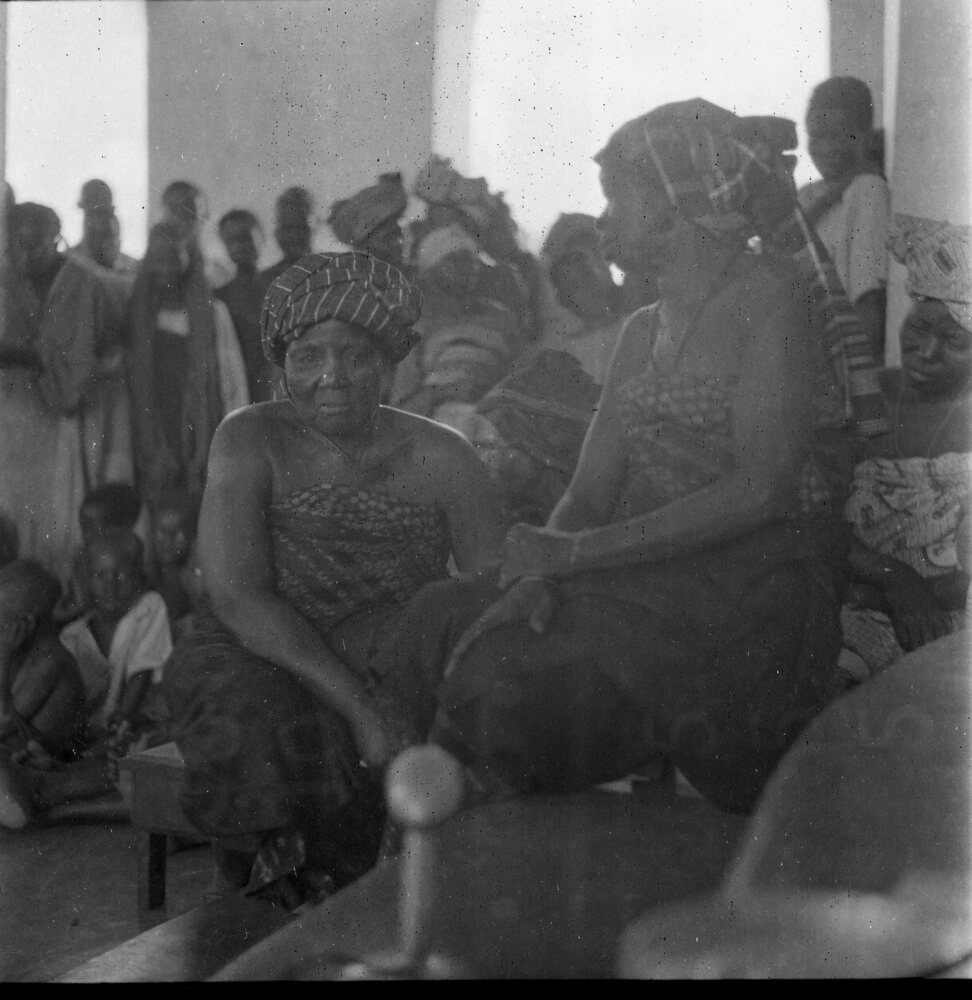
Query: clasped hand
x: 530, y: 551
x: 531, y: 557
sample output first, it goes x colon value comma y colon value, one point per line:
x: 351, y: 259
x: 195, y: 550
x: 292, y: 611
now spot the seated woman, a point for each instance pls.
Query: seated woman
x: 910, y: 499
x: 682, y: 597
x: 323, y: 514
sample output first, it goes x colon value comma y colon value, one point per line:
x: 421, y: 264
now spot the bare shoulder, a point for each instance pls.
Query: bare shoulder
x: 251, y: 429
x: 428, y: 437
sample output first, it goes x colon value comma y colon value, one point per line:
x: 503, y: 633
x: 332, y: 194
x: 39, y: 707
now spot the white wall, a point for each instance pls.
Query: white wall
x: 76, y: 108
x: 932, y: 160
x: 551, y: 80
x: 248, y: 98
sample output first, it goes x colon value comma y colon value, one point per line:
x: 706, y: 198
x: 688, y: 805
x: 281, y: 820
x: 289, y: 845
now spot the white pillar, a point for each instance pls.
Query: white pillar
x: 455, y: 22
x: 932, y: 143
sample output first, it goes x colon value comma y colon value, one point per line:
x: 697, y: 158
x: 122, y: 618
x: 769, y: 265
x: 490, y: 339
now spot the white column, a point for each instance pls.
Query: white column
x: 932, y: 145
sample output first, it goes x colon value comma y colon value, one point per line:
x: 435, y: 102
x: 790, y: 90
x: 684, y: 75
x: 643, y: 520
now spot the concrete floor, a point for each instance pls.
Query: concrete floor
x: 67, y: 893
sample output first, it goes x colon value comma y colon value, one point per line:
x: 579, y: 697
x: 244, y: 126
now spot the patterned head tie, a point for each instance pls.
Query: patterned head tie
x: 354, y: 219
x: 355, y: 288
x: 938, y: 256
x: 726, y: 173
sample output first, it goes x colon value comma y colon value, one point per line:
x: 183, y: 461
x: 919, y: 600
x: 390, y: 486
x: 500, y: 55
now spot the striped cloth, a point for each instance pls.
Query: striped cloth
x: 353, y: 287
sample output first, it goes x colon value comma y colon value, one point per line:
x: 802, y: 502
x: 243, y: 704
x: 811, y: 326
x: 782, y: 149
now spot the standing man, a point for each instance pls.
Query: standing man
x: 293, y: 230
x: 242, y: 236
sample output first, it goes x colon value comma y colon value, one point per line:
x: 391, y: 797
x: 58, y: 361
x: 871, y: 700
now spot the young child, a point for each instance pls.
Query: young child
x: 41, y: 692
x: 113, y: 505
x: 121, y: 644
x: 175, y: 571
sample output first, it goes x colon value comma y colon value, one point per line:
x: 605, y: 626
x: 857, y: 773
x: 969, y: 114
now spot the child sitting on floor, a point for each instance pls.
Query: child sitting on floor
x: 41, y: 692
x: 175, y: 569
x: 95, y: 685
x: 111, y: 506
x: 120, y: 645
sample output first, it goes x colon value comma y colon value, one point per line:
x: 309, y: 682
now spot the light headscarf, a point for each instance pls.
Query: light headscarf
x: 355, y: 288
x: 938, y: 256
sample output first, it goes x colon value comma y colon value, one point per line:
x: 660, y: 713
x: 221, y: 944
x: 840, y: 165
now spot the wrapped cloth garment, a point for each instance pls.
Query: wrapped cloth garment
x: 261, y: 755
x: 910, y: 509
x: 541, y: 412
x: 62, y: 431
x: 938, y: 256
x: 186, y: 373
x: 354, y: 219
x: 716, y: 659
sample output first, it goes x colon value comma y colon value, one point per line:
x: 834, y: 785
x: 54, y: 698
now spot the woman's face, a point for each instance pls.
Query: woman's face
x: 637, y: 224
x: 335, y: 374
x: 835, y: 145
x: 936, y: 352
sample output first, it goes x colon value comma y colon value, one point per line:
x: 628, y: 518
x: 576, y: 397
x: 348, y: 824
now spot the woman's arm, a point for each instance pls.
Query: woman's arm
x: 235, y: 555
x: 591, y: 496
x: 771, y: 425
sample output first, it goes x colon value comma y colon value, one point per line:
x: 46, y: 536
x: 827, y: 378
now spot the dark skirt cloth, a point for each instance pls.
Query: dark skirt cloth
x: 717, y: 660
x: 262, y: 755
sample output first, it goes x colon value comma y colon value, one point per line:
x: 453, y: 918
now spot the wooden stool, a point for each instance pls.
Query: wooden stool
x: 151, y: 781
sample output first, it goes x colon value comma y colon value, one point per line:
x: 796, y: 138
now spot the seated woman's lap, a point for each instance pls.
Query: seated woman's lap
x: 722, y: 689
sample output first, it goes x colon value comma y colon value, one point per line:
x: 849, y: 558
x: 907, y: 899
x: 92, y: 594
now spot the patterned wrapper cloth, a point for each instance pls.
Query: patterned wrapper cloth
x: 938, y: 256
x: 354, y: 219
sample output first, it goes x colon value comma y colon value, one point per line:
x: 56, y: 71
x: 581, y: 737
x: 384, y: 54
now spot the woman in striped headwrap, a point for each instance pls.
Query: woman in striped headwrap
x: 324, y: 512
x: 682, y: 597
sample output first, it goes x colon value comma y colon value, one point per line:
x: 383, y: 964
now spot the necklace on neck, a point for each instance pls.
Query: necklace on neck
x: 353, y: 462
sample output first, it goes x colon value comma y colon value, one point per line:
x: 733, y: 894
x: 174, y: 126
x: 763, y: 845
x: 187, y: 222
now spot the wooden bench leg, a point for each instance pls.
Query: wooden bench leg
x: 152, y: 848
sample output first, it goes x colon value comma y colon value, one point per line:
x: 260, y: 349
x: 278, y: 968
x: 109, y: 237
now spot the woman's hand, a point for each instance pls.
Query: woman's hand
x: 376, y: 740
x: 530, y: 551
x: 532, y: 599
x: 916, y: 615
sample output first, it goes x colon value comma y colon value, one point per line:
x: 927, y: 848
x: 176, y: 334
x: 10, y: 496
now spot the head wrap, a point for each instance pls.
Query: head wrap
x: 354, y: 219
x: 728, y: 174
x: 938, y: 256
x: 352, y: 287
x: 573, y: 231
x: 441, y: 242
x: 486, y: 215
x: 41, y: 217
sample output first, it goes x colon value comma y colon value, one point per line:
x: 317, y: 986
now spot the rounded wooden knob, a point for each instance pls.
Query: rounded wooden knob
x: 424, y: 786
